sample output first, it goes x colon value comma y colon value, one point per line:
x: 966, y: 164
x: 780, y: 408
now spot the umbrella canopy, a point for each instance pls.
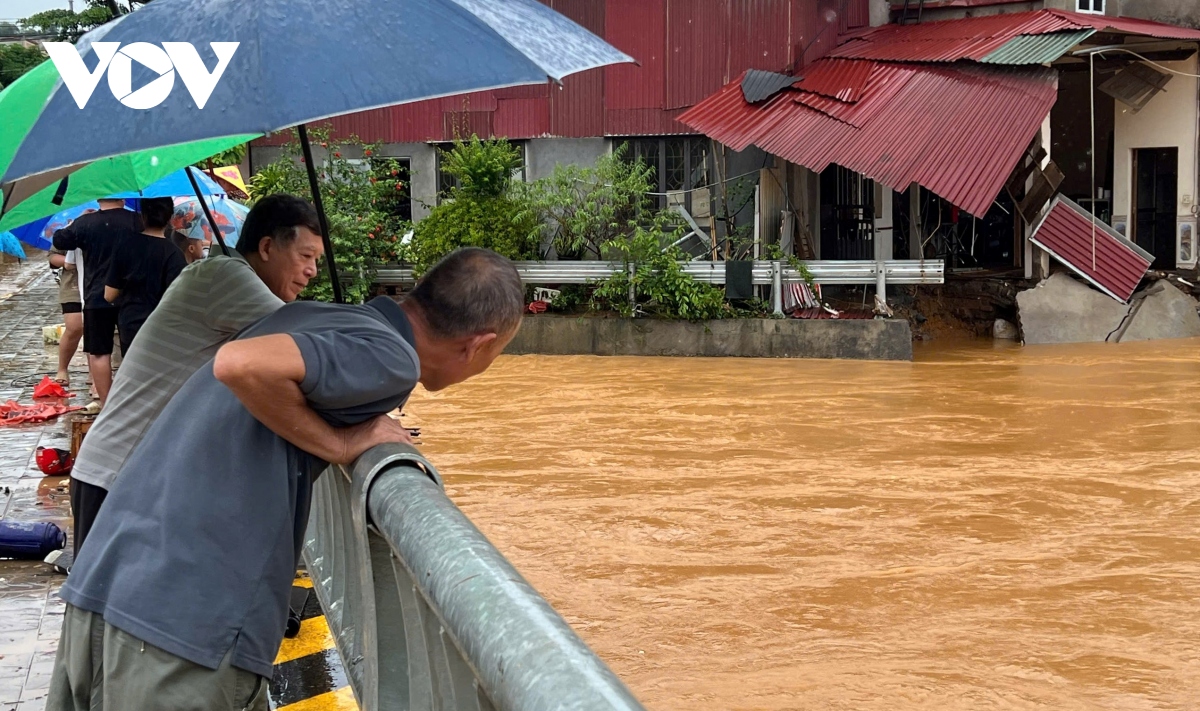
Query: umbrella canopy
x: 39, y: 233
x: 189, y: 218
x: 10, y: 245
x: 284, y: 71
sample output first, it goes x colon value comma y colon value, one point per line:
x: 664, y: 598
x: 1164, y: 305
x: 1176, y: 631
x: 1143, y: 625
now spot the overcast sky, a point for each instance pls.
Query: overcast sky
x: 17, y: 9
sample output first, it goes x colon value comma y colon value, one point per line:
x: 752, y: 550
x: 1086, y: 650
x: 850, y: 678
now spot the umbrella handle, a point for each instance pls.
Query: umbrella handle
x: 207, y: 215
x: 315, y: 188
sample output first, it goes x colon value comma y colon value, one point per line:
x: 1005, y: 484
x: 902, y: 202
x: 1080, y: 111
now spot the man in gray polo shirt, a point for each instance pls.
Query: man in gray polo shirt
x: 180, y: 598
x: 205, y: 306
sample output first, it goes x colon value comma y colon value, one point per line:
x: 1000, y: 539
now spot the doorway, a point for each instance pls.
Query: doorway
x: 1155, y: 181
x: 847, y: 215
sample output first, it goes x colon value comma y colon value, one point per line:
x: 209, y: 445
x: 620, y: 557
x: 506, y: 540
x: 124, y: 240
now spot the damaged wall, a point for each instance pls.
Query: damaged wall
x: 1063, y: 309
x: 1169, y: 120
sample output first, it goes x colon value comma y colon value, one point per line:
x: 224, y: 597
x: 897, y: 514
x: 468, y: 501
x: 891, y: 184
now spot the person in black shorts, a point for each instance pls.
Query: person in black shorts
x: 98, y: 235
x: 142, y: 268
x: 72, y: 308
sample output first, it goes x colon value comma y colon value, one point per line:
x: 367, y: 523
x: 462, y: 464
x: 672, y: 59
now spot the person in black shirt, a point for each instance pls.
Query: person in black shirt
x: 98, y: 234
x: 143, y: 267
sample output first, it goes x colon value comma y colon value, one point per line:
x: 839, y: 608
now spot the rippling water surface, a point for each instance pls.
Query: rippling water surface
x: 985, y: 528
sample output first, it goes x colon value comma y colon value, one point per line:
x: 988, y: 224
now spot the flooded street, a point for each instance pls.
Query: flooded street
x: 988, y: 527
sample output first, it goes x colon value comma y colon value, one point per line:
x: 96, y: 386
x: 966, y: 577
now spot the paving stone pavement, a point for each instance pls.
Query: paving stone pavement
x: 30, y: 611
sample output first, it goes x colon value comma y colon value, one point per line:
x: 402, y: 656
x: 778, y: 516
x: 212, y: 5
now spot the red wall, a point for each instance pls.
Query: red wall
x: 686, y: 50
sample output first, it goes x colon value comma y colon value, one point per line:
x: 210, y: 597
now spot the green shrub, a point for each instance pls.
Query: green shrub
x: 483, y: 210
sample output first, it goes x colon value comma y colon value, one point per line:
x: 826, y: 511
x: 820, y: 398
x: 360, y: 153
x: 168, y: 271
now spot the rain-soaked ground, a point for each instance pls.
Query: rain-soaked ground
x: 30, y: 613
x: 988, y: 527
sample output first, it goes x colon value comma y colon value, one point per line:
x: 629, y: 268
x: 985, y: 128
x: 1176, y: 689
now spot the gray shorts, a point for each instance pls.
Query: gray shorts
x: 100, y: 666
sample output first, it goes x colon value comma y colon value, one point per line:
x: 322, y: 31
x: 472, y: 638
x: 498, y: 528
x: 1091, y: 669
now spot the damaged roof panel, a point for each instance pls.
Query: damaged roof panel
x: 957, y: 130
x: 1037, y: 49
x: 758, y: 85
x: 1092, y: 249
x: 841, y: 79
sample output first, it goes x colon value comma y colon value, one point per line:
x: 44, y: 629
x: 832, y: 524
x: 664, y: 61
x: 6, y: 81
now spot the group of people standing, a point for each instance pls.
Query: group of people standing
x: 116, y: 265
x: 192, y: 489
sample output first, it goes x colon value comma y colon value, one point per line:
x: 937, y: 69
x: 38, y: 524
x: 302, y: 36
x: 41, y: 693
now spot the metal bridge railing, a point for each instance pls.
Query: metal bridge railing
x: 824, y: 271
x: 426, y: 613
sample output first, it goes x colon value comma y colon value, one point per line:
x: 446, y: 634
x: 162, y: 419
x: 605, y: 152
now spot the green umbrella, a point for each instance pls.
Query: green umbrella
x: 21, y: 103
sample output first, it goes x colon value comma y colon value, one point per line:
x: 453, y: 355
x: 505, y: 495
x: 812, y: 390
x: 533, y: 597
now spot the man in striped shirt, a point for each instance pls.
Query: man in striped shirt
x: 211, y: 301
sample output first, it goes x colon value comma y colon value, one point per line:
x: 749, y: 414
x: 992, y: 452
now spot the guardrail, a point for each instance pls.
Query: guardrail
x: 895, y: 271
x: 828, y: 272
x: 426, y: 613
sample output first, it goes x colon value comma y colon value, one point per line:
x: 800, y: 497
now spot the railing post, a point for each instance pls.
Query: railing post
x: 777, y: 287
x: 632, y: 287
x: 881, y: 287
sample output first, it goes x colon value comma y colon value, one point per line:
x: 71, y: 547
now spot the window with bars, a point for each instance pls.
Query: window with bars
x: 1090, y: 6
x: 679, y: 165
x: 447, y: 182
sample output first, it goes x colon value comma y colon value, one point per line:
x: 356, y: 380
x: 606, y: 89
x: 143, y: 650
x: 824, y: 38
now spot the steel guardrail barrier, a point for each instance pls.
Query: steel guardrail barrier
x: 896, y: 272
x: 426, y: 613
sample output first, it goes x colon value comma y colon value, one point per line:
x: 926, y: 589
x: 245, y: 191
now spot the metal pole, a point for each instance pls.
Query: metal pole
x: 777, y: 287
x: 315, y: 188
x: 1092, y: 106
x: 207, y: 214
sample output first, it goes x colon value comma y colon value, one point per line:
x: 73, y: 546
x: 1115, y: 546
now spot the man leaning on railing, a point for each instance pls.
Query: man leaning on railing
x: 180, y: 598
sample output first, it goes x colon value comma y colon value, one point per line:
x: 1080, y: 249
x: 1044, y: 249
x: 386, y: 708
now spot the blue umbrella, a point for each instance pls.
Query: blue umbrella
x: 285, y: 70
x: 39, y: 232
x: 10, y: 245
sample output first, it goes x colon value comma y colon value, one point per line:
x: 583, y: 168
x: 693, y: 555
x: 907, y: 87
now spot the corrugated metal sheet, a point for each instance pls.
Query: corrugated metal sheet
x: 759, y: 33
x: 536, y: 91
x: 577, y: 110
x: 522, y: 118
x: 758, y: 85
x: 841, y: 79
x: 639, y: 29
x: 1037, y: 49
x: 474, y: 101
x: 977, y: 37
x: 421, y: 121
x: 857, y: 14
x: 464, y: 124
x: 958, y: 130
x: 644, y: 122
x: 1067, y: 233
x: 697, y: 47
x: 1130, y: 25
x: 815, y: 25
x: 710, y: 41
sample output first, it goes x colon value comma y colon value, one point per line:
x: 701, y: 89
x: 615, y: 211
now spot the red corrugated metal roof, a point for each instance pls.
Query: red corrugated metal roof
x: 1116, y: 266
x: 976, y: 37
x: 841, y: 79
x: 957, y: 130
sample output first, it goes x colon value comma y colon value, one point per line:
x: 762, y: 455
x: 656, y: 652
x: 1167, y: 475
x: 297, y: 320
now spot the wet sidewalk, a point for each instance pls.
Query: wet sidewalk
x: 30, y: 611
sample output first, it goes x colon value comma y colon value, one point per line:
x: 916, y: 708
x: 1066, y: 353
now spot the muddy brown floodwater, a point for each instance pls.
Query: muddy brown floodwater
x: 985, y: 528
